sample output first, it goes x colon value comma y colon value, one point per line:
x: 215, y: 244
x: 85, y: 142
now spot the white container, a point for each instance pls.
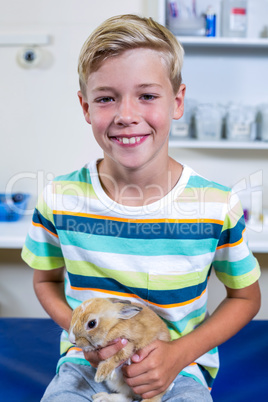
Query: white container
x: 182, y: 128
x: 234, y: 18
x: 240, y: 123
x: 208, y: 122
x: 182, y: 18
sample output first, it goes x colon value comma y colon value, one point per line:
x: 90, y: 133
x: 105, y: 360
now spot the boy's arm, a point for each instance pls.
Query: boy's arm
x: 49, y: 289
x: 160, y: 363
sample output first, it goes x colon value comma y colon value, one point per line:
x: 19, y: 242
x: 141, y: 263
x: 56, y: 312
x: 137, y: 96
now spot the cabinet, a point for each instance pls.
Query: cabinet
x: 223, y: 70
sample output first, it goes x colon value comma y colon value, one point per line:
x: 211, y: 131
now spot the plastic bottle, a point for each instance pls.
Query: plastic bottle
x: 234, y: 18
x: 210, y: 22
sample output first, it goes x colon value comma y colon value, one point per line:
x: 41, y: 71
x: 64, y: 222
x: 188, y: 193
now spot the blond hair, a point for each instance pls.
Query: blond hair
x: 124, y: 32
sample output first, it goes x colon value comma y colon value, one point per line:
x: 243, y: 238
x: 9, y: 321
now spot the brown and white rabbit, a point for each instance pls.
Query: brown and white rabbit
x: 98, y: 321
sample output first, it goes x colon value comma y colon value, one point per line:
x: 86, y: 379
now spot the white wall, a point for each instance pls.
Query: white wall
x: 43, y: 132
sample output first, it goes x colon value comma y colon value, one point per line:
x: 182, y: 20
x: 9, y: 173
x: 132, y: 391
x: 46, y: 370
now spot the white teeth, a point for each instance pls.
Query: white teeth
x: 131, y: 140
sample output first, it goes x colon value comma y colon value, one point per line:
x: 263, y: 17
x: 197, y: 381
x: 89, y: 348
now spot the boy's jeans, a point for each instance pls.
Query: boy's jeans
x: 75, y: 383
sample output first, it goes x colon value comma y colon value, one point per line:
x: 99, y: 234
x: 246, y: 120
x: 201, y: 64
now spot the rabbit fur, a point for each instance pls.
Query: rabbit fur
x: 98, y: 321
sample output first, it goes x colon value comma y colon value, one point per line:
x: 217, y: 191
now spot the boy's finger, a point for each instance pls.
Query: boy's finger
x: 142, y: 353
x: 110, y: 350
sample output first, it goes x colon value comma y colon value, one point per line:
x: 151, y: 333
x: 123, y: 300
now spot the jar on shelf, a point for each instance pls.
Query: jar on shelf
x: 208, y: 122
x: 241, y: 123
x: 182, y: 19
x: 183, y: 128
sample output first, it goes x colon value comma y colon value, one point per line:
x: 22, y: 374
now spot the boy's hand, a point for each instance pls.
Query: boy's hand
x: 95, y: 357
x: 154, y: 369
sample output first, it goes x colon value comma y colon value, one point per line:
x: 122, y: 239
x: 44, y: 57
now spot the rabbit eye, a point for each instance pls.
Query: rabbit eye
x: 91, y: 324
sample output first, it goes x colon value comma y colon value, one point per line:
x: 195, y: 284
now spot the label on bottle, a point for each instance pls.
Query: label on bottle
x: 238, y: 19
x: 241, y: 130
x: 180, y: 130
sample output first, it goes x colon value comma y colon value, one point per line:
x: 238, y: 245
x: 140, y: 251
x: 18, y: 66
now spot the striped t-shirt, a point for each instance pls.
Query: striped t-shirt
x: 160, y: 254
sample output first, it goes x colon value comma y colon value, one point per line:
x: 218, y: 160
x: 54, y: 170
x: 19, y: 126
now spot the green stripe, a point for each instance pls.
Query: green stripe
x: 233, y: 216
x: 138, y: 279
x: 76, y: 189
x: 169, y: 282
x: 42, y: 263
x: 206, y: 194
x: 150, y: 247
x: 44, y: 209
x: 239, y: 282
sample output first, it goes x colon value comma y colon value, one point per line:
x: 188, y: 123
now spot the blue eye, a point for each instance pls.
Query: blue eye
x: 148, y: 97
x: 105, y: 99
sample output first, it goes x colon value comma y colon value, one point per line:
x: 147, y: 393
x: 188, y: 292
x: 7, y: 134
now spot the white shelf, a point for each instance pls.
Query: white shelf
x: 223, y: 144
x: 223, y: 42
x: 13, y: 234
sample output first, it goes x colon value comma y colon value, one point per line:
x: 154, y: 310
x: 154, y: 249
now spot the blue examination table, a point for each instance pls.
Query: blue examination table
x: 30, y: 350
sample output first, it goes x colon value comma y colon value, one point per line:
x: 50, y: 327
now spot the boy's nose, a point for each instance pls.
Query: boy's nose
x: 127, y: 113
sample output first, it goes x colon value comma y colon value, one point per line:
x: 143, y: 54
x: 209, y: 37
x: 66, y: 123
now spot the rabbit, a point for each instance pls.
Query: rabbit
x: 98, y: 321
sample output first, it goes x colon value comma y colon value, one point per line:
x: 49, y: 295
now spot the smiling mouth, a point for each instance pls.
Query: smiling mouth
x: 129, y: 140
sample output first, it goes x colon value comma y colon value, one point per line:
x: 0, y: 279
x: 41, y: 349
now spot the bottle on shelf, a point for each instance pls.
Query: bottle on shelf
x: 234, y: 18
x: 210, y: 17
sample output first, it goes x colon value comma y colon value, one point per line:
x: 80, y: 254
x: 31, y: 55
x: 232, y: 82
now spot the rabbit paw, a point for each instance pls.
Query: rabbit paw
x: 103, y: 372
x: 101, y: 397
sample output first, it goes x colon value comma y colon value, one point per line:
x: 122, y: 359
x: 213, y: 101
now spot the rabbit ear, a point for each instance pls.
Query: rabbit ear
x: 129, y: 311
x: 114, y: 300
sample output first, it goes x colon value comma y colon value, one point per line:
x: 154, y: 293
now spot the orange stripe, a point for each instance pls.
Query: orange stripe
x: 232, y: 244
x: 43, y: 227
x: 75, y: 348
x: 220, y: 222
x: 137, y: 297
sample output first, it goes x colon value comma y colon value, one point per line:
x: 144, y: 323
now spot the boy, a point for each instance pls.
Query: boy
x: 138, y: 225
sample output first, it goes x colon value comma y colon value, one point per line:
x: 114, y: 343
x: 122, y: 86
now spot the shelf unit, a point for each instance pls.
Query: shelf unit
x: 220, y: 42
x: 224, y: 44
x: 223, y: 144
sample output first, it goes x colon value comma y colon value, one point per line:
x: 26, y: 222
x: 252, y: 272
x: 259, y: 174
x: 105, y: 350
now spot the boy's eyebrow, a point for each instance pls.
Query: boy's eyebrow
x: 142, y: 86
x: 102, y: 89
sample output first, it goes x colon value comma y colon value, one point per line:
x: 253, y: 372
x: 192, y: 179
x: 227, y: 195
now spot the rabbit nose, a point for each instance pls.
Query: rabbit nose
x: 72, y: 337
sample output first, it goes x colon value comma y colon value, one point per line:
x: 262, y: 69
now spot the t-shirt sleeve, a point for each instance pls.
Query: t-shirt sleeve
x: 234, y: 263
x: 42, y: 248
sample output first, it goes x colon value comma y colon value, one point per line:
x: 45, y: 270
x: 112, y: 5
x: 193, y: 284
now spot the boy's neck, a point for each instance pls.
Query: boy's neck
x: 138, y: 187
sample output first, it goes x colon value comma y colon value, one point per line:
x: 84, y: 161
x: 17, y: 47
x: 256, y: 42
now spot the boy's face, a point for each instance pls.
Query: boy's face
x: 130, y: 104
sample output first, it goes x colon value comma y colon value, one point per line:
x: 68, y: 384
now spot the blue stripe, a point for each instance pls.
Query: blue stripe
x: 201, y: 182
x: 236, y: 268
x: 150, y: 247
x: 42, y: 249
x: 179, y: 326
x: 81, y: 175
x: 139, y: 230
x: 162, y: 297
x: 231, y: 236
x: 40, y: 219
x: 207, y: 376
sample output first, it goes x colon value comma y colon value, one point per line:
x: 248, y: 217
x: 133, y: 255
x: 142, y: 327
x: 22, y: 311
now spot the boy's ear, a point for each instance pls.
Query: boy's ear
x: 85, y: 106
x: 179, y: 102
